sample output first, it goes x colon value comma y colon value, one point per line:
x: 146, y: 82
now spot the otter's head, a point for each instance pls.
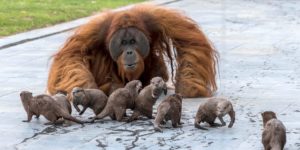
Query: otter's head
x: 158, y: 86
x: 268, y: 115
x: 223, y: 107
x: 177, y: 96
x: 25, y: 96
x: 135, y: 85
x: 78, y: 97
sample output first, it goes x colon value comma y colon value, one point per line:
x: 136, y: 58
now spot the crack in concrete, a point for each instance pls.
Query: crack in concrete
x: 100, y: 144
x: 137, y: 137
x: 45, y: 131
x: 144, y: 122
x: 126, y: 130
x: 135, y: 133
x: 177, y: 134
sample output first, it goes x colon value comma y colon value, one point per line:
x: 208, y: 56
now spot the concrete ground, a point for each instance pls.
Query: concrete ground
x: 259, y: 70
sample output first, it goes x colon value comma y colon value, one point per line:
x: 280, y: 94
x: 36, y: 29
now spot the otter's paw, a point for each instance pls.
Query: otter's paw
x: 158, y: 129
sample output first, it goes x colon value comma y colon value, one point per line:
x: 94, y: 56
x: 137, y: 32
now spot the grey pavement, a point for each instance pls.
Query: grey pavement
x: 259, y: 69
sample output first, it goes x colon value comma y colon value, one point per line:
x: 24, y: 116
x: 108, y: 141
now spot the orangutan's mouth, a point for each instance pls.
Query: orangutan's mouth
x: 130, y: 66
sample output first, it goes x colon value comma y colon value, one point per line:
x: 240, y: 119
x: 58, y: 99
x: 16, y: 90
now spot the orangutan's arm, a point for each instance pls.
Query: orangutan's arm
x: 196, y: 58
x: 71, y: 65
x: 67, y: 74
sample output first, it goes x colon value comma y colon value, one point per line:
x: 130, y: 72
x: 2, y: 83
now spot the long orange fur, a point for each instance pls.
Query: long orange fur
x: 84, y: 60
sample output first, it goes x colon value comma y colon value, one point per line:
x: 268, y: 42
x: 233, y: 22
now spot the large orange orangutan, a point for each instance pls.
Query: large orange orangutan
x: 120, y: 46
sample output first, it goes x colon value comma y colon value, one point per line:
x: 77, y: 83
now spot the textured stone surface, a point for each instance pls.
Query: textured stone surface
x: 258, y: 42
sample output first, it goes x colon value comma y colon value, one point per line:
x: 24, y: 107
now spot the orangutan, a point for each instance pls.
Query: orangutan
x: 119, y: 46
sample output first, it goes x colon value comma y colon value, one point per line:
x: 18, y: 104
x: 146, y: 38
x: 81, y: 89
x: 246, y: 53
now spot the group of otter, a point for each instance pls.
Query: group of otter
x: 57, y: 108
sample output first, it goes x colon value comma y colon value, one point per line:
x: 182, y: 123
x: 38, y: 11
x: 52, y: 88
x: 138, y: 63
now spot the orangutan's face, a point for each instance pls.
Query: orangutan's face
x: 129, y: 47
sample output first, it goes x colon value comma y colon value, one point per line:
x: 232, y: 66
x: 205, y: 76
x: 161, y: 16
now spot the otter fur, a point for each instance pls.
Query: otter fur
x: 147, y: 98
x: 213, y: 108
x: 120, y: 100
x: 274, y: 133
x: 61, y: 98
x: 169, y: 109
x: 89, y: 98
x: 44, y: 105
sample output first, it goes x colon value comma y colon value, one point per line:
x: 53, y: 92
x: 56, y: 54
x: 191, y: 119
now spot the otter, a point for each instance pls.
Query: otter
x: 89, y: 98
x: 274, y: 133
x: 169, y: 109
x: 147, y: 98
x: 61, y: 98
x: 44, y: 105
x: 213, y: 108
x: 120, y: 100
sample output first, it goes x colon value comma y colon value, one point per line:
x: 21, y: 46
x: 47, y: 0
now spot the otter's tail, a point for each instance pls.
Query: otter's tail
x: 106, y: 111
x: 197, y: 124
x: 67, y: 116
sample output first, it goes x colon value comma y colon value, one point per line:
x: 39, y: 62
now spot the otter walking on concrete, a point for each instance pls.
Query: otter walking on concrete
x: 274, y: 134
x: 169, y: 109
x: 89, y: 98
x: 44, y: 105
x: 213, y: 108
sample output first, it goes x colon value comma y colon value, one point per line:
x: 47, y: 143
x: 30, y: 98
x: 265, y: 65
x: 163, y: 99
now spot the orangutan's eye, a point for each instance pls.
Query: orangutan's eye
x: 132, y: 41
x: 124, y: 42
x: 137, y: 42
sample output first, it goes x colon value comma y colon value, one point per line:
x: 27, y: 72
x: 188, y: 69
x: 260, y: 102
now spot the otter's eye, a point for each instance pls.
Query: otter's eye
x: 123, y: 42
x: 132, y: 41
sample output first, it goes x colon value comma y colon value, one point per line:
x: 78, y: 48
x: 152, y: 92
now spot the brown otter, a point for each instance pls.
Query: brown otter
x: 120, y: 100
x: 169, y: 109
x: 274, y: 134
x: 89, y: 98
x: 147, y: 98
x: 61, y: 98
x: 44, y: 105
x: 213, y: 108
